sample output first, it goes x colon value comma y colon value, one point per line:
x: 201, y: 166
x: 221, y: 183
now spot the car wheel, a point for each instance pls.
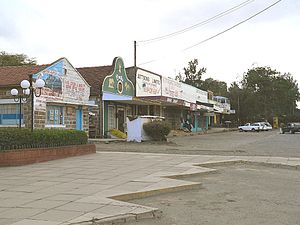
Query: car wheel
x: 253, y: 129
x: 241, y: 130
x: 291, y: 132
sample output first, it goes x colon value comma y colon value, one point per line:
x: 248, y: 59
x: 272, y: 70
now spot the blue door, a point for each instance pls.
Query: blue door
x: 79, y: 118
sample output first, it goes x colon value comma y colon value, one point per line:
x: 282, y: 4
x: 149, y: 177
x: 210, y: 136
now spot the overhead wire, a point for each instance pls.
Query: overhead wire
x: 230, y: 28
x: 211, y: 19
x: 224, y: 31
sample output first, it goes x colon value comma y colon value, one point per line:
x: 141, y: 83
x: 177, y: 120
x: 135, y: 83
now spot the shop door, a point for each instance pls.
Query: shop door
x: 79, y: 118
x: 121, y: 119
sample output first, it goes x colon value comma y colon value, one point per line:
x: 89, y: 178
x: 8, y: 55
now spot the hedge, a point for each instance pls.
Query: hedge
x: 157, y: 130
x: 14, y: 138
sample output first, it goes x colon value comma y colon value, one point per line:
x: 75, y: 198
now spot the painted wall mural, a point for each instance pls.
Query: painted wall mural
x: 52, y: 76
x: 63, y: 84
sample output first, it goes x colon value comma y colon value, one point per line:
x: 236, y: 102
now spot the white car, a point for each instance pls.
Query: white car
x: 265, y: 126
x: 251, y: 127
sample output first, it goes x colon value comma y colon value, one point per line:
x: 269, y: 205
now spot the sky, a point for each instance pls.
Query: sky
x: 93, y: 32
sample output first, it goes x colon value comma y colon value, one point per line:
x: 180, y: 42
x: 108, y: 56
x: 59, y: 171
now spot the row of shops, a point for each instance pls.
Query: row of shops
x: 98, y: 99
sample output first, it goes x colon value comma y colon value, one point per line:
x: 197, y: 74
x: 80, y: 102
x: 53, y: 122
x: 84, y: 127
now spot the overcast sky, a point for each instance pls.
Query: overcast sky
x: 93, y: 32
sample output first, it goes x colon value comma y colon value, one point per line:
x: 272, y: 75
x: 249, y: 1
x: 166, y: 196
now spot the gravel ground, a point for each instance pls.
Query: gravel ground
x: 269, y: 143
x: 237, y: 195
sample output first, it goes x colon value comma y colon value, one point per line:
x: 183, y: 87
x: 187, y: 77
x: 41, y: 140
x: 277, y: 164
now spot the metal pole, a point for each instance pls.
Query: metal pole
x: 20, y: 112
x: 32, y: 101
x: 238, y: 108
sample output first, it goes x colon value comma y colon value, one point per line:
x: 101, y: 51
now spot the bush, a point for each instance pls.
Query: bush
x: 157, y: 130
x: 14, y: 138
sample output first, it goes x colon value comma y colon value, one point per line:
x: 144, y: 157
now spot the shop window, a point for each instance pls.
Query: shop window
x: 111, y: 117
x: 151, y: 110
x: 55, y: 115
x: 129, y: 111
x: 142, y: 110
x: 9, y: 114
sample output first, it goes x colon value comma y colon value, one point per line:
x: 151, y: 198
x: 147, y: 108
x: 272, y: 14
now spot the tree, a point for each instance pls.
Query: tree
x: 219, y: 88
x: 7, y: 59
x: 264, y: 93
x: 192, y: 75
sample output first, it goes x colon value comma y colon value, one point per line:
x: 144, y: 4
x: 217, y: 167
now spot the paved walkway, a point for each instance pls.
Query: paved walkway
x: 94, y: 187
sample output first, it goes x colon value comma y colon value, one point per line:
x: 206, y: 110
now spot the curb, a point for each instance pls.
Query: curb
x: 143, y: 194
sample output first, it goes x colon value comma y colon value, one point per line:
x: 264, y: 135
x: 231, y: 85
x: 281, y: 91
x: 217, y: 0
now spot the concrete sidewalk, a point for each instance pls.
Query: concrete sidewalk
x: 94, y: 188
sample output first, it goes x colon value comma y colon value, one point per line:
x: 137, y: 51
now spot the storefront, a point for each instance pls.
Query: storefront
x: 178, y: 100
x: 63, y: 101
x: 117, y: 97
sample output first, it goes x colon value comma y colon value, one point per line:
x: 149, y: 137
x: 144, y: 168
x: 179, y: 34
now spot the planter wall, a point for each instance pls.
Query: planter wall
x: 34, y: 155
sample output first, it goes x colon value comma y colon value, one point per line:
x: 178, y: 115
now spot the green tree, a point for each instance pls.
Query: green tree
x: 264, y: 93
x: 234, y: 94
x: 7, y: 59
x: 192, y: 75
x: 219, y: 88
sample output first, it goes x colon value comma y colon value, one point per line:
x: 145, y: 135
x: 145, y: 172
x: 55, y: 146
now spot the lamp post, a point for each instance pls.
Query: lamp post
x: 27, y: 91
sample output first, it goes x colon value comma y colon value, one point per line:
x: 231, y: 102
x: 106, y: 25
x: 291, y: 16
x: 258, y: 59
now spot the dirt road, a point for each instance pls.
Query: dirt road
x: 237, y: 195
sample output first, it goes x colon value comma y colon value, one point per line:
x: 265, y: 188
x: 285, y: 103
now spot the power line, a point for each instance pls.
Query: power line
x: 230, y: 28
x: 222, y: 32
x: 211, y: 19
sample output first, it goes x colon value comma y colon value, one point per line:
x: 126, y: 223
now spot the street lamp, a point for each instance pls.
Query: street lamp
x: 27, y: 91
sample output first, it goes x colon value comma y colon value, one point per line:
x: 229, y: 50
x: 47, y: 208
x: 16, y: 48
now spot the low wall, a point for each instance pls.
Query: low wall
x: 34, y: 155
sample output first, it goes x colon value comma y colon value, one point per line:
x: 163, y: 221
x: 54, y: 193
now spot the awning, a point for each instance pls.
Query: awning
x: 115, y: 97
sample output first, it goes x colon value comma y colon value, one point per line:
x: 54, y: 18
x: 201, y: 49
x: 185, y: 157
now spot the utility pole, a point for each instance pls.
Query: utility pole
x: 134, y: 54
x: 238, y: 103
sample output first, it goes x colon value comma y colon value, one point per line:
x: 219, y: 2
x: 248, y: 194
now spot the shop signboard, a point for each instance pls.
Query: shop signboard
x: 147, y: 84
x: 118, y: 83
x: 75, y: 89
x: 189, y: 93
x: 193, y: 107
x: 171, y: 88
x: 201, y: 96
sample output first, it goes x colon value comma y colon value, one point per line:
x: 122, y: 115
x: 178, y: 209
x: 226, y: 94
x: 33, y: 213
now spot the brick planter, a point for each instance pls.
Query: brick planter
x: 34, y: 155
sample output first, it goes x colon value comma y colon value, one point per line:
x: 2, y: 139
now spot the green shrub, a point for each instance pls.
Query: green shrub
x: 157, y: 130
x: 14, y: 138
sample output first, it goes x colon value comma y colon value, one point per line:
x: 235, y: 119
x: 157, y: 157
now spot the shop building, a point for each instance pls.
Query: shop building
x: 113, y: 98
x: 180, y: 104
x: 63, y: 101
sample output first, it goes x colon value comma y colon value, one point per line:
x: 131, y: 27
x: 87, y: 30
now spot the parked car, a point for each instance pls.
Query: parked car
x: 265, y: 126
x: 290, y: 128
x: 251, y: 127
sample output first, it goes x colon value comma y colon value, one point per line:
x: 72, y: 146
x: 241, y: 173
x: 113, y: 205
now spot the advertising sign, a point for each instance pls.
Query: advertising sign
x: 171, y: 88
x: 147, y: 84
x: 201, y: 96
x: 74, y: 88
x: 189, y: 93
